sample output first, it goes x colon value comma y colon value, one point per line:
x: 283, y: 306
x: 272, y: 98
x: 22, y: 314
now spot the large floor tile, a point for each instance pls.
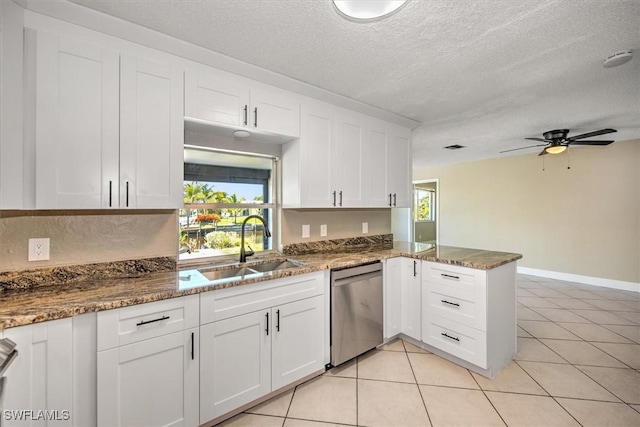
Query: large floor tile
x: 434, y: 370
x: 582, y: 294
x: 292, y: 422
x: 385, y: 366
x: 609, y: 305
x: 546, y: 292
x: 533, y: 350
x: 582, y: 353
x: 348, y: 370
x: 626, y: 353
x: 560, y: 315
x: 536, y: 302
x: 631, y: 332
x: 253, y: 420
x: 523, y: 334
x: 571, y: 303
x: 511, y: 379
x: 602, y: 317
x: 634, y: 305
x: 330, y: 399
x: 546, y: 330
x: 410, y: 348
x: 594, y: 333
x: 276, y: 406
x: 524, y: 293
x: 525, y: 313
x: 530, y: 411
x: 566, y: 381
x: 457, y: 407
x: 598, y: 414
x: 395, y: 345
x: 632, y: 316
x: 624, y: 383
x: 390, y: 404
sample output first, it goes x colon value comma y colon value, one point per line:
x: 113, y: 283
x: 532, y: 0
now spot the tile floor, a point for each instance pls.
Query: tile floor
x: 578, y: 363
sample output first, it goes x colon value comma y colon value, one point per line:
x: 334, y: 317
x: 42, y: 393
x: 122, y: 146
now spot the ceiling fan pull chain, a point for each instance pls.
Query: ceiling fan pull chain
x: 568, y: 158
x: 543, y: 164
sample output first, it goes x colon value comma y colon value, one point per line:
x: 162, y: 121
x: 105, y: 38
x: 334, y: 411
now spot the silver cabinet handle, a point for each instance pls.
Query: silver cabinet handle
x: 334, y: 198
x: 246, y: 115
x: 444, y: 334
x: 340, y: 197
x: 449, y: 276
x: 389, y: 199
x: 394, y: 199
x: 110, y: 193
x: 415, y: 271
x: 455, y: 304
x: 255, y: 117
x: 146, y: 322
x: 193, y: 345
x: 127, y: 195
x: 278, y: 320
x: 267, y: 329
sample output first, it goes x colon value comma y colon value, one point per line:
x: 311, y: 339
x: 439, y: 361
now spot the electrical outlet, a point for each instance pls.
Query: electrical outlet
x: 39, y: 249
x: 306, y: 231
x: 323, y: 230
x: 365, y: 227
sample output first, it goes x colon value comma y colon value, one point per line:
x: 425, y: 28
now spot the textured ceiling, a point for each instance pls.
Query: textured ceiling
x: 483, y: 74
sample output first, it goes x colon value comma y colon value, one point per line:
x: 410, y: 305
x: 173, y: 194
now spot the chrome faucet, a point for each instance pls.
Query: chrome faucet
x: 267, y: 233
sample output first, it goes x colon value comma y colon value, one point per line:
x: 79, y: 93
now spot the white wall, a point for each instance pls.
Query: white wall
x: 584, y: 220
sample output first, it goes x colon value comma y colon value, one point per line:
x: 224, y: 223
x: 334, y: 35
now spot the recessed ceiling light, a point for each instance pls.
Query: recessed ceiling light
x: 618, y: 58
x: 241, y: 134
x: 367, y: 10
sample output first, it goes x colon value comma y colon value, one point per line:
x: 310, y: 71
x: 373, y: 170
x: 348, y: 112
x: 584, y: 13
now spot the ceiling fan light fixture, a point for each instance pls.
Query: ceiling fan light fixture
x: 368, y: 10
x: 555, y: 149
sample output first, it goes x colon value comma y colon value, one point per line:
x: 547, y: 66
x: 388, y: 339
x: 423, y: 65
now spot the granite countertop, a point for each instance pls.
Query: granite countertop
x: 38, y: 303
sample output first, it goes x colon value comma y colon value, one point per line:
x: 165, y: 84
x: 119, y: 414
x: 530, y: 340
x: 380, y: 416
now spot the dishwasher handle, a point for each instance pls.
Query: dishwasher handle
x: 358, y: 278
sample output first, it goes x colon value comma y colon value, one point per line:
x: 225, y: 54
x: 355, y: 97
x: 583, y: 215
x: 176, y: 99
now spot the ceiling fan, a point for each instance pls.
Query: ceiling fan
x: 556, y: 141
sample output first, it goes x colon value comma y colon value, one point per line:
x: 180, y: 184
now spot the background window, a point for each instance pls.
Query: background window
x: 423, y: 204
x: 218, y: 198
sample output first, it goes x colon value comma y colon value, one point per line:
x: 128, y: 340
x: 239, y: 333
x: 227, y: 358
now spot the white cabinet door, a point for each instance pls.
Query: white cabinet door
x: 40, y: 378
x: 392, y: 297
x: 298, y: 338
x: 214, y: 97
x: 151, y: 134
x: 346, y: 159
x: 374, y: 165
x: 318, y: 129
x: 411, y: 298
x: 150, y: 383
x: 399, y: 173
x: 236, y: 362
x: 77, y: 114
x: 274, y: 112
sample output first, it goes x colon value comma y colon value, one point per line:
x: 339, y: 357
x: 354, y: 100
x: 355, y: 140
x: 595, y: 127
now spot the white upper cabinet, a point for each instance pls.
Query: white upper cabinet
x: 232, y: 102
x: 346, y: 159
x: 108, y: 129
x: 151, y: 134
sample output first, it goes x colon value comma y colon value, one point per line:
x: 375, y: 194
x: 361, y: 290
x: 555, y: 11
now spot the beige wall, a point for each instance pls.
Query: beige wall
x: 87, y: 236
x: 341, y: 223
x: 585, y: 220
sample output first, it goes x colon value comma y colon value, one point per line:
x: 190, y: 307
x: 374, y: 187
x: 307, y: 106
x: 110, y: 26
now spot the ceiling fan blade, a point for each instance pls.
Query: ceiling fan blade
x: 522, y: 148
x: 592, y: 142
x: 543, y: 152
x: 590, y: 134
x: 538, y: 139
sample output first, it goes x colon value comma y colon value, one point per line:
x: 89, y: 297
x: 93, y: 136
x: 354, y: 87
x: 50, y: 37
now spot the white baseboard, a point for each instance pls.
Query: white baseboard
x: 587, y: 280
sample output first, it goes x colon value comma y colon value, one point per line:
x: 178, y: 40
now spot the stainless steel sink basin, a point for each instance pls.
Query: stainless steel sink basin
x: 227, y: 273
x: 253, y: 269
x: 276, y: 265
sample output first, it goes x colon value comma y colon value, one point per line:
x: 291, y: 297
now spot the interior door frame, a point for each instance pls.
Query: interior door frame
x: 413, y: 223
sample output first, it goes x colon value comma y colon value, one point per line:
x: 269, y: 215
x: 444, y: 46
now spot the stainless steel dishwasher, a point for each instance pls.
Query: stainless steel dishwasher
x: 356, y: 311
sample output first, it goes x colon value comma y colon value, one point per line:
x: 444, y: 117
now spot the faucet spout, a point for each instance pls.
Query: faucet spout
x: 267, y: 233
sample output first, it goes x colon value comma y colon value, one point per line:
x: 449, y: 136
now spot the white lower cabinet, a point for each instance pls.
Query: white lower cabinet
x: 402, y: 303
x: 148, y: 364
x: 246, y: 355
x: 53, y: 375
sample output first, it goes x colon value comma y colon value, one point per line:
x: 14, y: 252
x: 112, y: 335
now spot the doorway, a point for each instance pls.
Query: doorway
x: 425, y: 211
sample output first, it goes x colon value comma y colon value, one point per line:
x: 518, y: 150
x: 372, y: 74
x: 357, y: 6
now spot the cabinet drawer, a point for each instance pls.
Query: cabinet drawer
x: 141, y: 322
x: 459, y: 340
x: 231, y: 302
x: 467, y: 306
x: 452, y: 275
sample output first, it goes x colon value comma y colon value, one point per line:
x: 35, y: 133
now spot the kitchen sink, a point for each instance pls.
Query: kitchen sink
x: 253, y: 269
x: 275, y: 265
x: 214, y: 274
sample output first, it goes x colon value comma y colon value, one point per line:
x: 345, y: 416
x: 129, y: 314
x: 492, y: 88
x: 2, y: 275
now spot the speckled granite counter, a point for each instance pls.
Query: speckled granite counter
x: 40, y: 303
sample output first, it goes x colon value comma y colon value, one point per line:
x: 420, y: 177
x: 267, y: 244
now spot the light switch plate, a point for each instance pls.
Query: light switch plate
x: 365, y: 227
x: 306, y: 231
x: 39, y: 249
x: 323, y: 230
